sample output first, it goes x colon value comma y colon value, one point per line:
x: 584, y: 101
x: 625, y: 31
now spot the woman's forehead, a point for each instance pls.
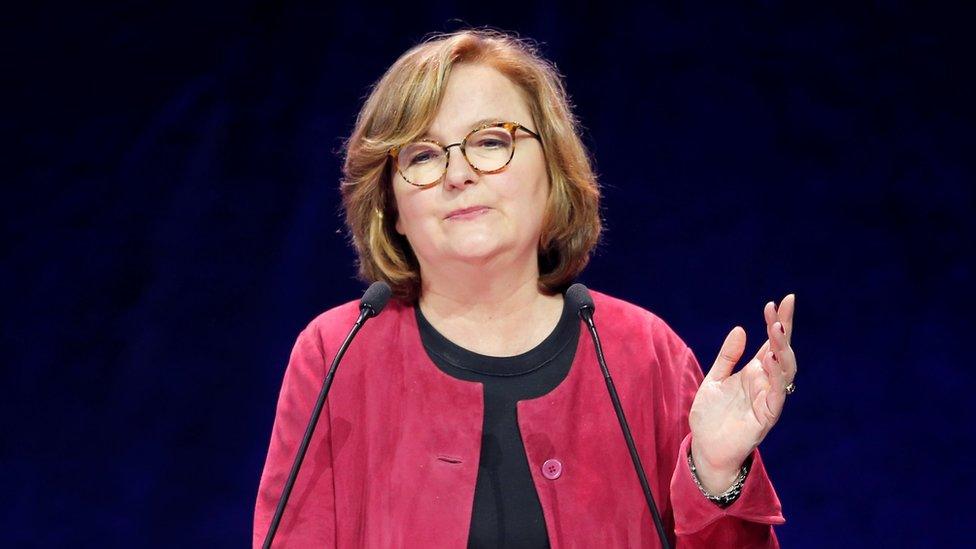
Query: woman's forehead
x: 476, y: 95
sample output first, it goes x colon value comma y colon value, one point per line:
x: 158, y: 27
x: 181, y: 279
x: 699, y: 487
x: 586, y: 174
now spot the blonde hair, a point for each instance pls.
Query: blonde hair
x: 401, y: 107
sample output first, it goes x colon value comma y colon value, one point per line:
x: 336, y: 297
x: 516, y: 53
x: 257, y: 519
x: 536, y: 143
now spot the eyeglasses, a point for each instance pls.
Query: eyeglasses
x: 488, y: 149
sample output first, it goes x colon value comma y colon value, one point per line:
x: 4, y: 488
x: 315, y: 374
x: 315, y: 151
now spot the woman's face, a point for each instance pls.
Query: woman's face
x: 470, y: 217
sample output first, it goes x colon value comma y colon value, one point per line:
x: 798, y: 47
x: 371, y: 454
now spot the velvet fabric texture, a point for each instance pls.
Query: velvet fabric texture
x: 394, y: 458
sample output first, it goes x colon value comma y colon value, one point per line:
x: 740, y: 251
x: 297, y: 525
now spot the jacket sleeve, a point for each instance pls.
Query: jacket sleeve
x: 698, y: 522
x: 309, y: 518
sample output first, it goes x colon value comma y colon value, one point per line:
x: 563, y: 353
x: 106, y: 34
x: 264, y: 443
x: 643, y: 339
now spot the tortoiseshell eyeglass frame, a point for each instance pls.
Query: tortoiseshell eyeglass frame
x: 512, y: 127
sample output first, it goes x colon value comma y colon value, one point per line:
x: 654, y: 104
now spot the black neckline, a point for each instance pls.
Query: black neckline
x: 459, y: 358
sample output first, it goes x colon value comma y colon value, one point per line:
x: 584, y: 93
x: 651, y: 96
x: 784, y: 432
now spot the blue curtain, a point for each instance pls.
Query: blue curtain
x: 173, y: 221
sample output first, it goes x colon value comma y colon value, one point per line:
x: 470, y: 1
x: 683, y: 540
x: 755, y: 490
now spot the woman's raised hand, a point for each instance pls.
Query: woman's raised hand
x: 732, y: 413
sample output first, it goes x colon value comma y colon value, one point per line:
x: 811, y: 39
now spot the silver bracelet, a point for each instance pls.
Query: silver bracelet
x: 727, y: 497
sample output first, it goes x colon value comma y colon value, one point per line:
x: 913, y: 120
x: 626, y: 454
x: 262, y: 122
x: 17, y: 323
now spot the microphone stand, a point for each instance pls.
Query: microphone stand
x: 586, y: 313
x: 367, y: 309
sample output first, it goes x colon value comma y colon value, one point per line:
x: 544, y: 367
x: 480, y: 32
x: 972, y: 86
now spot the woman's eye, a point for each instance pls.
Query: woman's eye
x: 420, y: 158
x: 491, y: 143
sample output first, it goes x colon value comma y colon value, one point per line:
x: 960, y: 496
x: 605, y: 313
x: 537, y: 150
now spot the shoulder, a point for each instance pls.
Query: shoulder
x: 609, y: 305
x: 330, y: 327
x: 627, y: 320
x: 630, y: 317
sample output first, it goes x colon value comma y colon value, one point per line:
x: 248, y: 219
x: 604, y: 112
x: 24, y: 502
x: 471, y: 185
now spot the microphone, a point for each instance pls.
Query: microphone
x: 373, y: 302
x: 580, y: 297
x: 375, y: 298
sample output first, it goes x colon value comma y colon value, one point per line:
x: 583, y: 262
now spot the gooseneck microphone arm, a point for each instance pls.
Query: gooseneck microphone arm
x: 375, y: 298
x: 580, y: 297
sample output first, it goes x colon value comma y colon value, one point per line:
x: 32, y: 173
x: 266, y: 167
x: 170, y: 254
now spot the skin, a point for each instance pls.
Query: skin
x: 733, y: 413
x: 479, y: 275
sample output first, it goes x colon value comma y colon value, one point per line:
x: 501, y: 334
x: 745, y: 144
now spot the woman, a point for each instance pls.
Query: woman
x: 471, y: 411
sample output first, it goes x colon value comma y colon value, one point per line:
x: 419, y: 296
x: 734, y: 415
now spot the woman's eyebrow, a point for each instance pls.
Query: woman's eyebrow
x: 483, y: 121
x: 474, y: 125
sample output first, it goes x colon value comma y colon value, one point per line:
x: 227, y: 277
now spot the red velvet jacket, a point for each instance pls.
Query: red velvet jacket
x: 394, y: 458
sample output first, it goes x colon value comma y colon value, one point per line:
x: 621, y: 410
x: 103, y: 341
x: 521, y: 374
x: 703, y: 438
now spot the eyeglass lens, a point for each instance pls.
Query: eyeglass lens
x: 423, y: 163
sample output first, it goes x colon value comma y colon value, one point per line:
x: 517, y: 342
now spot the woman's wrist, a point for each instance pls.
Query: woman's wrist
x: 715, y: 475
x: 722, y: 488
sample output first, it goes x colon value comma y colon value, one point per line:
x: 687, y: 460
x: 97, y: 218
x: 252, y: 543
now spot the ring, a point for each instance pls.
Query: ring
x: 790, y: 388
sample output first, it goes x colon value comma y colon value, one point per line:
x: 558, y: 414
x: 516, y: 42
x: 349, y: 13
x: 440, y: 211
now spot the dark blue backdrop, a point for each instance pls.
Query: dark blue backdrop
x: 173, y: 222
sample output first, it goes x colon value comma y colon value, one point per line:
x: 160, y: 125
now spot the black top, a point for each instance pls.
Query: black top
x: 507, y: 512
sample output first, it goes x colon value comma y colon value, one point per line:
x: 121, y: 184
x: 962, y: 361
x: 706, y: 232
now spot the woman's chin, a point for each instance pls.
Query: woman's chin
x: 476, y: 250
x: 475, y: 255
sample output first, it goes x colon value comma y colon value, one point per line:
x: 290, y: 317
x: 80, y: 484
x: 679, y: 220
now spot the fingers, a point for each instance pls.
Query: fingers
x: 784, y: 313
x: 782, y: 352
x: 728, y: 355
x: 776, y: 395
x: 762, y: 351
x: 779, y: 330
x: 770, y: 313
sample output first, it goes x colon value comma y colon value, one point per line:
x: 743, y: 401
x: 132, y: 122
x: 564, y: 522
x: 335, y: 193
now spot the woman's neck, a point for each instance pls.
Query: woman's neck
x: 496, y: 313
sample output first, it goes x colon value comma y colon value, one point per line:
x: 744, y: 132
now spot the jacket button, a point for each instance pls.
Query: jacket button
x: 552, y: 468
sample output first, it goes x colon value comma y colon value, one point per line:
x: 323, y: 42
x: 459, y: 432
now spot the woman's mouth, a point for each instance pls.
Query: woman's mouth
x: 467, y: 213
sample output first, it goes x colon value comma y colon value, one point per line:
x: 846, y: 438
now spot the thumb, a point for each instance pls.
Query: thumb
x: 728, y: 355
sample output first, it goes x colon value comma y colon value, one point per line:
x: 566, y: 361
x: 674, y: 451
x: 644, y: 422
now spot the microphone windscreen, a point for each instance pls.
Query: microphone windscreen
x: 579, y: 297
x: 376, y: 296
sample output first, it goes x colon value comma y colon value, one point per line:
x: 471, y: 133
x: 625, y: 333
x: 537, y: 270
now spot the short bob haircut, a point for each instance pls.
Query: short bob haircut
x: 401, y: 107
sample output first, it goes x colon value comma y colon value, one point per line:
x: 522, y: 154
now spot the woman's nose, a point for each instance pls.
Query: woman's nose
x: 459, y: 172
